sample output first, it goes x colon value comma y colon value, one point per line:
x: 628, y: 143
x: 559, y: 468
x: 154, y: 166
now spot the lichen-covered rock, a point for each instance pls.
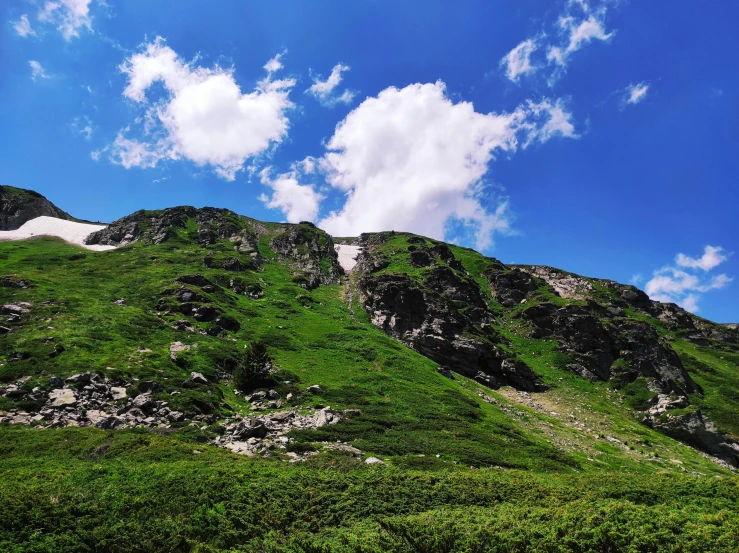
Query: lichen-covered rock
x: 153, y: 227
x: 565, y: 285
x: 311, y: 254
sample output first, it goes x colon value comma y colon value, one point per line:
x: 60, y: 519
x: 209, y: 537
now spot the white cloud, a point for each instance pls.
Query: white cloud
x: 298, y: 202
x: 68, y: 15
x: 546, y: 120
x: 689, y: 303
x: 203, y: 116
x: 635, y: 93
x: 517, y: 62
x: 412, y: 160
x: 712, y: 257
x: 636, y: 278
x: 324, y: 90
x: 37, y: 71
x: 671, y: 284
x: 23, y: 27
x: 580, y: 24
x: 274, y: 64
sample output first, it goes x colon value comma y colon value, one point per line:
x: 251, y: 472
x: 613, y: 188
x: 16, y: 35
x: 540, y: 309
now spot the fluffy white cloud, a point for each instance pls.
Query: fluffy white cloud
x: 298, y: 202
x: 635, y: 93
x: 671, y: 284
x: 203, y: 116
x: 712, y: 257
x: 68, y: 15
x: 324, y: 90
x: 23, y: 27
x: 413, y: 160
x: 37, y: 71
x: 517, y: 62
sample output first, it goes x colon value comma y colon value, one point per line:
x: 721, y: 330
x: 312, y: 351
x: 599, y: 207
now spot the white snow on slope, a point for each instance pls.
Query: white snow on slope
x: 69, y: 231
x: 347, y: 256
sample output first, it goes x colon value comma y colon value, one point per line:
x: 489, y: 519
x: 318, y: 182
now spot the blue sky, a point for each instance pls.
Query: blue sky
x: 595, y: 136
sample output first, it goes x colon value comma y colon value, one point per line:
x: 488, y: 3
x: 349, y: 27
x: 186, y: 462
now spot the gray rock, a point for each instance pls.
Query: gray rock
x: 18, y: 206
x: 198, y: 378
x: 374, y: 461
x: 62, y: 397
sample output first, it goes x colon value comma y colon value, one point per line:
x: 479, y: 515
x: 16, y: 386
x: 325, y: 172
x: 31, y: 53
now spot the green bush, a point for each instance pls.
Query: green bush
x: 255, y: 369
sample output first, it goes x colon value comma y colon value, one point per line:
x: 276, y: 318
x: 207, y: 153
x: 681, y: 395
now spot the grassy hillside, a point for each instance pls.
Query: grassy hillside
x: 465, y: 465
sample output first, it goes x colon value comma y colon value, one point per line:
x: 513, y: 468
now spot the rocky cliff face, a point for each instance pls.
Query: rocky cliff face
x: 17, y: 206
x: 442, y: 314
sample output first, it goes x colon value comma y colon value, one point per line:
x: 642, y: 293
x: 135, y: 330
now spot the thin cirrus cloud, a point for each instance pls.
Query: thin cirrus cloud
x: 678, y: 285
x: 580, y: 24
x: 412, y: 160
x: 203, y: 116
x: 325, y: 91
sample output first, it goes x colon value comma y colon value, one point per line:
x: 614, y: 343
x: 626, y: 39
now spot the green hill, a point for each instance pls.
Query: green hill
x: 432, y: 399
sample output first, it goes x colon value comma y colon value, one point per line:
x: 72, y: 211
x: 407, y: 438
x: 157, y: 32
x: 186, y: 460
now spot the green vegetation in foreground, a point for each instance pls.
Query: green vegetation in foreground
x: 81, y: 490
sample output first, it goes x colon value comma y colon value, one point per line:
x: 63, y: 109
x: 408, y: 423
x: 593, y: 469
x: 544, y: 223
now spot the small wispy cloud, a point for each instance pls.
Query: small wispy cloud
x: 37, y: 71
x: 635, y: 93
x: 677, y: 285
x: 70, y: 16
x: 23, y: 27
x: 582, y: 22
x: 323, y: 91
x: 83, y: 126
x: 274, y: 64
x: 517, y: 62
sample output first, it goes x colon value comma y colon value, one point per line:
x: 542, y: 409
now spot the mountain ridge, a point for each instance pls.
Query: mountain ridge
x: 217, y: 383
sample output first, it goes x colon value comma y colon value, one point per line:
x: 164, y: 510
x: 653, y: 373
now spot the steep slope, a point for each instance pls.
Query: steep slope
x: 18, y: 206
x: 480, y: 318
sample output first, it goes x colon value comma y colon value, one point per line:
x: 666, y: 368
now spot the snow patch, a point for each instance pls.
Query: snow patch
x: 69, y: 231
x: 347, y: 256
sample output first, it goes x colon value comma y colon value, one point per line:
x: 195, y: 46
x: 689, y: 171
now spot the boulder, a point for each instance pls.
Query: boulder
x: 62, y: 397
x: 177, y: 347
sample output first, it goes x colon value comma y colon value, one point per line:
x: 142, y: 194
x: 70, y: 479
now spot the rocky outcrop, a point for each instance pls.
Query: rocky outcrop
x: 18, y: 206
x: 431, y: 321
x: 692, y: 427
x: 310, y: 253
x: 510, y: 287
x: 153, y: 227
x: 594, y: 339
x: 565, y: 285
